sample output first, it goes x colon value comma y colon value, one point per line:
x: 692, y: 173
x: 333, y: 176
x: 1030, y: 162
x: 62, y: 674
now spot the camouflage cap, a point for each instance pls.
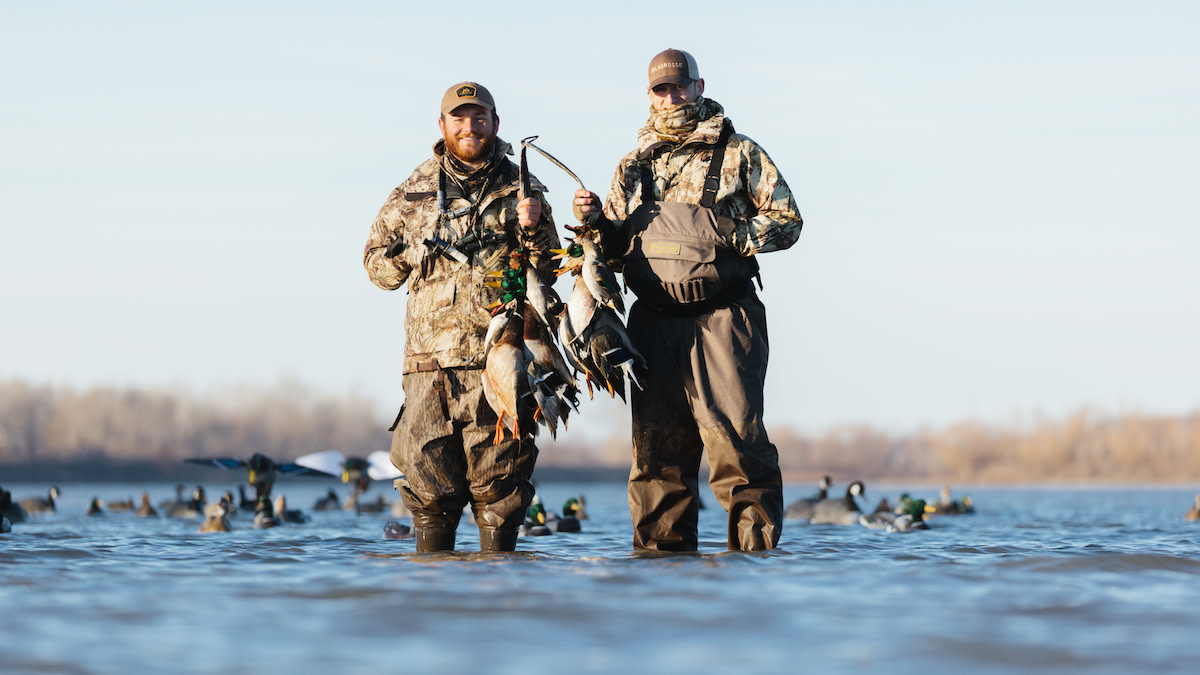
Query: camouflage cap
x: 673, y: 65
x: 465, y: 93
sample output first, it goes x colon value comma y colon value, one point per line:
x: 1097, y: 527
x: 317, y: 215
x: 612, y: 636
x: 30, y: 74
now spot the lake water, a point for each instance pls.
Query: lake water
x: 1039, y: 579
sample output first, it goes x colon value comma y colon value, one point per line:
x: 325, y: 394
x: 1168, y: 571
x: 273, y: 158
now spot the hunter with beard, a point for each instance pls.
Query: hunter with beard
x: 686, y: 213
x: 457, y: 218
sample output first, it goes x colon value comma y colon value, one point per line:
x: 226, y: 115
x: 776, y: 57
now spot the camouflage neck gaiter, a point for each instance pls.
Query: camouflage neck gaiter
x: 677, y: 123
x: 473, y: 180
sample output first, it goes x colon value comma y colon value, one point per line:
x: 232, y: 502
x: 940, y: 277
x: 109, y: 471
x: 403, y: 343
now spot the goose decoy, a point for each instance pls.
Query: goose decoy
x: 261, y: 471
x: 39, y: 505
x: 217, y: 518
x: 802, y: 509
x: 10, y: 509
x: 289, y: 515
x: 146, y: 510
x: 839, y: 511
x: 265, y: 516
x: 96, y: 507
x: 329, y: 502
x: 192, y: 508
x: 1193, y: 514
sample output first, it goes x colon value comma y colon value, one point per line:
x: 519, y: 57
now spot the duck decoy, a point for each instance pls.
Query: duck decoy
x: 120, y: 505
x: 217, y: 519
x: 96, y: 507
x: 329, y: 502
x: 10, y: 509
x: 355, y: 471
x: 289, y: 515
x: 839, y: 511
x: 265, y: 517
x: 146, y: 510
x: 535, y: 522
x: 39, y: 505
x: 946, y: 506
x: 261, y: 471
x: 1193, y: 514
x: 802, y: 509
x: 396, y: 530
x: 192, y: 508
x: 913, y: 520
x: 575, y: 506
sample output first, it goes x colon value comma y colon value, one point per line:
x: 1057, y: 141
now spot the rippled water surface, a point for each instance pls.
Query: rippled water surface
x: 1095, y: 580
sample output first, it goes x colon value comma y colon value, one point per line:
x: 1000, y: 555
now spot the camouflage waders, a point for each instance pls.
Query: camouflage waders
x: 443, y: 444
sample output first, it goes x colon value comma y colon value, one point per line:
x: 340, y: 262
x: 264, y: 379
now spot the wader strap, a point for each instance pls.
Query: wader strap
x: 712, y: 182
x: 396, y: 422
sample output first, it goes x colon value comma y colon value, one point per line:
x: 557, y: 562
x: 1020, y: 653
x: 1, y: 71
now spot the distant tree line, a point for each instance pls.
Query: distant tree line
x: 47, y: 426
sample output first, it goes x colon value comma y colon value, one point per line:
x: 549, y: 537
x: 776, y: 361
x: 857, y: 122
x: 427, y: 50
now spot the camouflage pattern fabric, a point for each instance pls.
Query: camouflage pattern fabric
x: 447, y: 315
x: 752, y: 191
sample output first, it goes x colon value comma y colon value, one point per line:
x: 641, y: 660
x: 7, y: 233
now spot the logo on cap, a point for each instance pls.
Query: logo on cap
x: 464, y: 91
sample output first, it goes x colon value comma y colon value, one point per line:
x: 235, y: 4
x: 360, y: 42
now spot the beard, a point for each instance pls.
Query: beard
x: 470, y: 154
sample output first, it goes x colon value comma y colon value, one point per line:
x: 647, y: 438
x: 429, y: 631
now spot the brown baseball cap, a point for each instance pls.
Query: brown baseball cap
x: 465, y: 93
x: 673, y: 65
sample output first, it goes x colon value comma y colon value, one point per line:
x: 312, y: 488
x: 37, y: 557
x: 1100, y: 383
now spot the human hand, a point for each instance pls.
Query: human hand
x: 529, y: 212
x: 586, y: 204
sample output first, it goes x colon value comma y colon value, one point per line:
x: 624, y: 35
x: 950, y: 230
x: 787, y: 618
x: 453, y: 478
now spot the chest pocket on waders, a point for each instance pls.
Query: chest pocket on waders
x: 679, y: 254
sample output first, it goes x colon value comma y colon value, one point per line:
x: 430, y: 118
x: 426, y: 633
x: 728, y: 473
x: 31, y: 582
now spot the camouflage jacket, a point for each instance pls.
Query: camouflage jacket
x: 752, y: 191
x: 447, y: 309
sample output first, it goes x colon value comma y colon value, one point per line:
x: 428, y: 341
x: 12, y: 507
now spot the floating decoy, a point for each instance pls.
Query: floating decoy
x: 39, y: 505
x: 120, y: 505
x: 96, y: 507
x: 535, y: 522
x: 1193, y: 513
x: 574, y: 506
x: 265, y: 516
x: 802, y: 509
x: 10, y: 509
x: 146, y: 510
x: 262, y: 471
x: 192, y: 508
x: 396, y: 530
x: 839, y: 511
x: 289, y: 515
x: 947, y: 506
x: 329, y: 502
x: 217, y: 519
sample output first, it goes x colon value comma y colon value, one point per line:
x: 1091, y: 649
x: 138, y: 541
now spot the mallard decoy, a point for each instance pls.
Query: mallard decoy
x: 261, y: 471
x: 329, y: 502
x: 264, y: 516
x: 96, y: 507
x: 1193, y: 514
x: 535, y: 522
x: 356, y: 471
x: 913, y: 520
x: 39, y: 505
x: 10, y: 509
x: 217, y: 519
x: 289, y: 515
x: 146, y: 510
x: 575, y: 506
x: 802, y: 509
x: 396, y: 530
x: 120, y: 505
x: 945, y: 506
x: 843, y: 511
x: 192, y: 508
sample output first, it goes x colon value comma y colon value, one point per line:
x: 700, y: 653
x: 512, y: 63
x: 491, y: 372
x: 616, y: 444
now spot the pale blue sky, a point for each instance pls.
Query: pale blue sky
x: 999, y: 197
